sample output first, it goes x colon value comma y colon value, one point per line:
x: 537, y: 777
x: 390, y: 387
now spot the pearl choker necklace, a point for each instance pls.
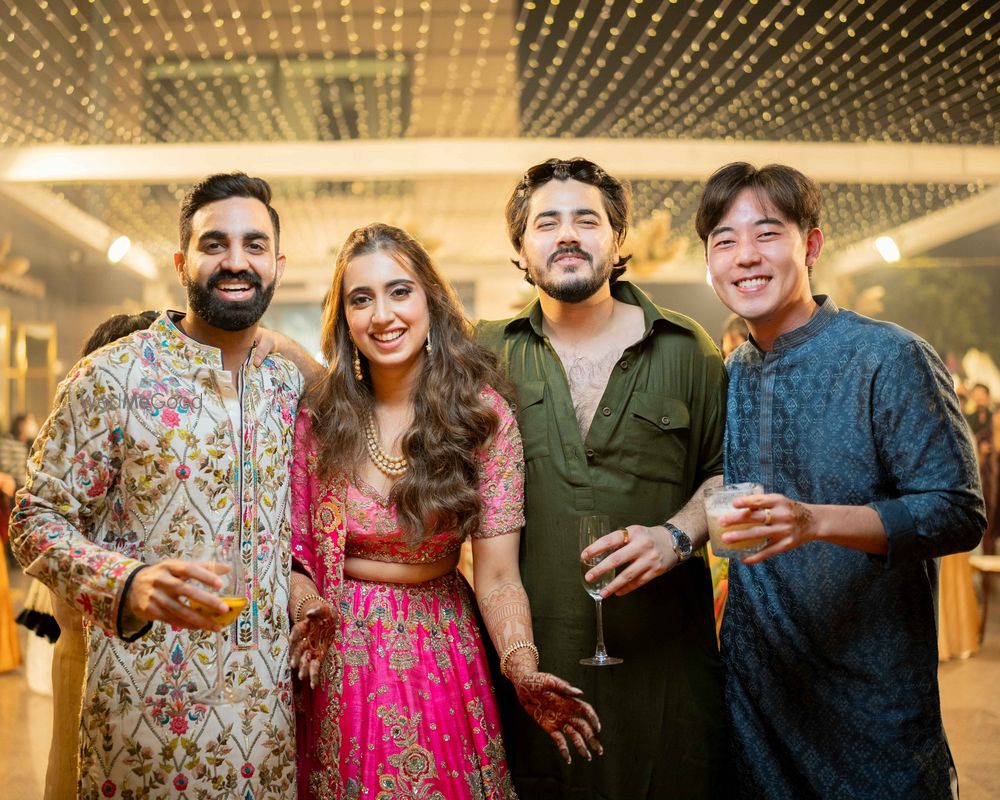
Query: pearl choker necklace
x: 389, y: 466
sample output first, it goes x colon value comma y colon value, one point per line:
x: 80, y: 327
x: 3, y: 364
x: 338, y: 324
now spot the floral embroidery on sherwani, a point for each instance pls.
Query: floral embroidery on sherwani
x: 151, y: 449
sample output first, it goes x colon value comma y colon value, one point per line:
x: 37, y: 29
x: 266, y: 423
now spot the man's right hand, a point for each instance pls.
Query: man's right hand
x: 156, y: 591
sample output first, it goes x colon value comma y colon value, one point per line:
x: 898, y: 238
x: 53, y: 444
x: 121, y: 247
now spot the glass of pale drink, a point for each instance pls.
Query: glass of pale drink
x: 719, y: 503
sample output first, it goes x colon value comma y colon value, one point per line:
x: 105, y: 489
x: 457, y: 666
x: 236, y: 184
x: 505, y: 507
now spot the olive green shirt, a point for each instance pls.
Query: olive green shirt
x: 656, y: 436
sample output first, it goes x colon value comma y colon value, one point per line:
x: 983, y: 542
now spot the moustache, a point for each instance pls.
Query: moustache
x: 570, y: 251
x: 227, y: 274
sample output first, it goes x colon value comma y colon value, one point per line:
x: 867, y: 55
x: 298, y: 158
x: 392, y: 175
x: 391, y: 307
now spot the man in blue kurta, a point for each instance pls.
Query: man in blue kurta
x: 853, y: 429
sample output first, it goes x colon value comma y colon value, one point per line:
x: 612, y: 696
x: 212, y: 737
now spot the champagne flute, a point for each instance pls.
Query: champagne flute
x: 224, y: 556
x: 591, y: 529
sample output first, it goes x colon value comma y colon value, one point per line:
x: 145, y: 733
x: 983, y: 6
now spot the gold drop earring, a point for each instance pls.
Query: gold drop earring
x: 357, y: 364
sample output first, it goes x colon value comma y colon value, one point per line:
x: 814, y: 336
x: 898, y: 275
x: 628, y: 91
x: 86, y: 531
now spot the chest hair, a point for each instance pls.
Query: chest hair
x: 588, y: 374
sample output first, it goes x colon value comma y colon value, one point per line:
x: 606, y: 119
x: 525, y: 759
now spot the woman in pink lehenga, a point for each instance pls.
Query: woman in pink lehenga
x: 406, y: 448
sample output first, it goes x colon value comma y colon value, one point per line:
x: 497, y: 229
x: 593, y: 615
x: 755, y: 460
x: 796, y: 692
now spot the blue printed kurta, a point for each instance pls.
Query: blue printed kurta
x: 831, y: 654
x: 151, y: 449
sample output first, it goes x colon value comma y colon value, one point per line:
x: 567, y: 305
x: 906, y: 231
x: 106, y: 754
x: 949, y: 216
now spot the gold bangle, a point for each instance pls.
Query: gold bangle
x: 511, y: 649
x: 296, y: 616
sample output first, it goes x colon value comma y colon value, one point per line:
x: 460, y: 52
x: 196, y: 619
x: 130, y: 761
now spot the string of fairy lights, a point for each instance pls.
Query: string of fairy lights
x: 178, y: 71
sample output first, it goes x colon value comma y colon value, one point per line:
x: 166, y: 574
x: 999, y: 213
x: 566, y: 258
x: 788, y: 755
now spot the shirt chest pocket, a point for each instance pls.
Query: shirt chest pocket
x: 531, y: 419
x: 657, y: 434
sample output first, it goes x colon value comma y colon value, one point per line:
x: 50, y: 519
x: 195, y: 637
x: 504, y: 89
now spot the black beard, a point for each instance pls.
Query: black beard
x: 225, y: 315
x: 576, y: 288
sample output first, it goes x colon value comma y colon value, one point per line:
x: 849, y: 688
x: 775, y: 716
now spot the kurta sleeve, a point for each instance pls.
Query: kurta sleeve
x: 925, y: 447
x: 501, y: 475
x: 303, y: 453
x: 74, y: 464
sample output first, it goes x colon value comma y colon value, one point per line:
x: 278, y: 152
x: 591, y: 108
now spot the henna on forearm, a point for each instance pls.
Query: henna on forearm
x: 507, y: 615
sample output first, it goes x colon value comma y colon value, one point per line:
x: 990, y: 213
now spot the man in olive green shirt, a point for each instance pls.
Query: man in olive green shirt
x: 621, y: 407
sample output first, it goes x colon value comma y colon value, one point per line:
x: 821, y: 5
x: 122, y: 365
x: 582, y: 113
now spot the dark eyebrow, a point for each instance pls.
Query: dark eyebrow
x: 389, y: 285
x: 761, y: 221
x: 577, y: 212
x: 223, y: 236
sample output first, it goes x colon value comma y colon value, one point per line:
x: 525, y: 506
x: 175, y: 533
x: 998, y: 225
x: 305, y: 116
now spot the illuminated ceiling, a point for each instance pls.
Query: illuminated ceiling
x: 892, y: 105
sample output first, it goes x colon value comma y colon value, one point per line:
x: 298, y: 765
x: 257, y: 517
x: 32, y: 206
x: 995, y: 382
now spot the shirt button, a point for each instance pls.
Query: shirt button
x: 590, y: 453
x: 664, y: 420
x: 606, y: 411
x: 624, y: 365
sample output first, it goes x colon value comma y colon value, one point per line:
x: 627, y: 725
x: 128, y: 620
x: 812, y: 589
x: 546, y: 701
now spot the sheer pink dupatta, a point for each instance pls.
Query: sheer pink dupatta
x: 318, y: 534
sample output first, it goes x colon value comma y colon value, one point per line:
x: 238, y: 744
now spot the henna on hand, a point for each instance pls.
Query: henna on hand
x: 557, y: 708
x: 550, y: 701
x: 310, y: 640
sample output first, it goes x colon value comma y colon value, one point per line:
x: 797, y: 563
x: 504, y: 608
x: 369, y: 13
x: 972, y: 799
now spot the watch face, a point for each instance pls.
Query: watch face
x: 682, y: 541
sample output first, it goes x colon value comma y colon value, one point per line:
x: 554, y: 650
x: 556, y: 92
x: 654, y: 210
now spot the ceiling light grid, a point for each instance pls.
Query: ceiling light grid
x: 442, y: 126
x: 850, y: 72
x: 473, y: 88
x: 552, y: 119
x: 561, y: 57
x: 419, y: 84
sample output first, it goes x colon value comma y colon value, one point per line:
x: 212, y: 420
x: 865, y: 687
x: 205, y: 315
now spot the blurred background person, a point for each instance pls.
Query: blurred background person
x: 734, y: 333
x: 980, y: 418
x: 14, y: 446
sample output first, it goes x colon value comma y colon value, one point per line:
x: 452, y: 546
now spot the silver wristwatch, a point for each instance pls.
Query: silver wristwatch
x: 681, y: 542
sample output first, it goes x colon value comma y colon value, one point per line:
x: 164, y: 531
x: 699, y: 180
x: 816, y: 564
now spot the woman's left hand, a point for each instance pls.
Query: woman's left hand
x: 310, y: 640
x: 557, y: 707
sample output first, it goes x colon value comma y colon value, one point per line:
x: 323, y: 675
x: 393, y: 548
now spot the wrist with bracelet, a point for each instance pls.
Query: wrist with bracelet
x: 512, y: 648
x: 297, y: 614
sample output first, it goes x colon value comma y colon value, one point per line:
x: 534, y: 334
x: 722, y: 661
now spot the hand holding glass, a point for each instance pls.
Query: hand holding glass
x: 591, y: 529
x: 719, y: 503
x: 225, y: 561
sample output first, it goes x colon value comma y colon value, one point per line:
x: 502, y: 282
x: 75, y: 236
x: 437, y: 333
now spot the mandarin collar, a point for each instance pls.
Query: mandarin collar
x: 824, y: 315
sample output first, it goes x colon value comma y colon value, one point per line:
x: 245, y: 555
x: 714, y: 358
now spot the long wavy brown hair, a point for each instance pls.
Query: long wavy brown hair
x: 452, y: 423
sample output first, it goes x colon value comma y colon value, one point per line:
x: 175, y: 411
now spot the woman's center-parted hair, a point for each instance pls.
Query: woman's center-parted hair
x: 443, y: 305
x: 452, y: 422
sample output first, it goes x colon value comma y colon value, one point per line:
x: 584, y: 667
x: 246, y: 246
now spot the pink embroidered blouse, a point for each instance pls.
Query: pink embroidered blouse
x: 372, y: 524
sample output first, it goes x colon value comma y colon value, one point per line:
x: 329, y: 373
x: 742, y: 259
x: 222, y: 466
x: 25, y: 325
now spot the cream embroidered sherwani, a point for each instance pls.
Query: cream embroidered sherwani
x: 151, y: 449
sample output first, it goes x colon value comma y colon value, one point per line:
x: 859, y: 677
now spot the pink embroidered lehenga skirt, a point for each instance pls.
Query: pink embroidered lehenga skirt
x: 417, y: 714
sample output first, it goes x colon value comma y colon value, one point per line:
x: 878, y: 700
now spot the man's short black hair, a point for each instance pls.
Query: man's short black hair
x: 784, y: 188
x: 222, y: 186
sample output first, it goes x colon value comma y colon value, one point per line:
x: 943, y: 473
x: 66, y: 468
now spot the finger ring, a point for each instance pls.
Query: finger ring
x: 767, y: 516
x: 624, y: 537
